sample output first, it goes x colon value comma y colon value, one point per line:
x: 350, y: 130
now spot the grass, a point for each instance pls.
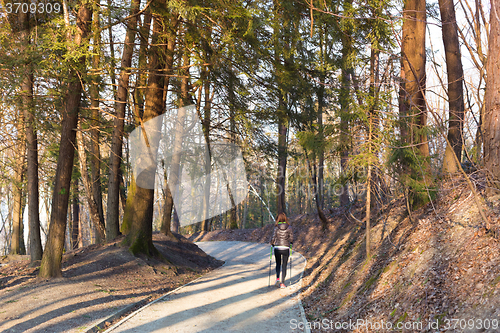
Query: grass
x: 347, y: 299
x: 402, y: 318
x: 347, y: 285
x: 108, y: 291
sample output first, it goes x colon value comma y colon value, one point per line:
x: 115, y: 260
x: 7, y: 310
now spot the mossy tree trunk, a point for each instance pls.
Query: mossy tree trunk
x: 416, y: 173
x: 139, y: 209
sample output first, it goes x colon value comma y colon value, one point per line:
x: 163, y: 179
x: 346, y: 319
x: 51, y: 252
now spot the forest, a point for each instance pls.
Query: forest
x: 331, y: 103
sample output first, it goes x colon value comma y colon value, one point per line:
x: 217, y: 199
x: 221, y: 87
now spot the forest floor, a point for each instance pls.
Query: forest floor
x: 97, y: 281
x: 438, y: 270
x: 437, y: 267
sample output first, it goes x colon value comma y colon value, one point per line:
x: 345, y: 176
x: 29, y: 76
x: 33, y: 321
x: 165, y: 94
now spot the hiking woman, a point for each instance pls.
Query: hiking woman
x: 281, y: 240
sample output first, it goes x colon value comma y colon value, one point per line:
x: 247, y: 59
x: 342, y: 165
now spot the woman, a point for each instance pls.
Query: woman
x: 281, y: 240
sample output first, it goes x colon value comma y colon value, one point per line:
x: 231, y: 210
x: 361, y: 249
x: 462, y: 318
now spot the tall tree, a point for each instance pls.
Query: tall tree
x: 348, y: 54
x: 492, y: 101
x: 184, y: 100
x: 95, y: 150
x: 89, y: 193
x: 112, y: 212
x: 17, y: 214
x: 455, y: 85
x: 31, y: 145
x: 206, y: 131
x: 412, y: 106
x: 52, y: 255
x: 284, y: 39
x: 139, y: 210
x: 173, y: 179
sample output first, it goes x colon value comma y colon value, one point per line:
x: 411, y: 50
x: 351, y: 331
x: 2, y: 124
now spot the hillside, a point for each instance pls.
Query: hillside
x: 97, y: 281
x: 431, y: 270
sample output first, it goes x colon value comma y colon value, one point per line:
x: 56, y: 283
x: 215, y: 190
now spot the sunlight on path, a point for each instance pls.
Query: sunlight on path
x: 233, y: 298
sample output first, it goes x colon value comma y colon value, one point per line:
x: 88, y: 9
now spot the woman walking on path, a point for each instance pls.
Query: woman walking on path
x: 281, y: 240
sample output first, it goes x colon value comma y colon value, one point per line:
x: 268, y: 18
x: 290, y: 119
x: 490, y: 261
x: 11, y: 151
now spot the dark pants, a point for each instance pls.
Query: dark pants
x: 281, y: 255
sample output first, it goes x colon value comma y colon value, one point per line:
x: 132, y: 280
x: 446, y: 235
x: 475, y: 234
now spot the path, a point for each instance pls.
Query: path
x: 233, y: 298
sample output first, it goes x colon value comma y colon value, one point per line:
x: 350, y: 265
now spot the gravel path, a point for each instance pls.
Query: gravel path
x: 233, y: 298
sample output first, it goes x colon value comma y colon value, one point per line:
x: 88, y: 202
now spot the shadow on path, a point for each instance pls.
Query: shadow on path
x: 233, y: 298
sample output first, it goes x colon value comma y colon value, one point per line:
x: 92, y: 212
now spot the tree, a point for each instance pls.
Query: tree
x: 52, y: 255
x: 492, y: 101
x: 95, y: 150
x: 112, y: 214
x: 17, y: 216
x: 20, y: 153
x: 92, y: 204
x: 414, y: 156
x: 285, y: 37
x: 455, y: 85
x: 166, y: 224
x: 139, y: 209
x: 31, y: 145
x: 348, y: 55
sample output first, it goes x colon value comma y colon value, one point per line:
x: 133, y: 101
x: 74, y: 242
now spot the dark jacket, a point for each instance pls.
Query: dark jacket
x: 282, y: 235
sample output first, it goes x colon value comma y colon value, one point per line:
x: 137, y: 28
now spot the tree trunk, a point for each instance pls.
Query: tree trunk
x: 492, y: 102
x: 413, y: 75
x: 112, y: 49
x: 455, y: 85
x: 52, y: 256
x: 166, y: 225
x: 95, y: 151
x: 17, y: 216
x: 175, y: 164
x: 112, y: 212
x: 412, y: 107
x: 368, y: 207
x: 75, y: 230
x: 313, y: 175
x: 245, y: 211
x: 282, y: 159
x: 17, y: 219
x: 139, y: 209
x: 321, y: 151
x: 206, y: 130
x: 233, y: 223
x: 166, y: 222
x: 344, y: 97
x: 89, y: 193
x: 32, y: 147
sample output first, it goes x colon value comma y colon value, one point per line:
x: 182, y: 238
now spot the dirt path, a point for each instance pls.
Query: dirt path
x: 233, y: 298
